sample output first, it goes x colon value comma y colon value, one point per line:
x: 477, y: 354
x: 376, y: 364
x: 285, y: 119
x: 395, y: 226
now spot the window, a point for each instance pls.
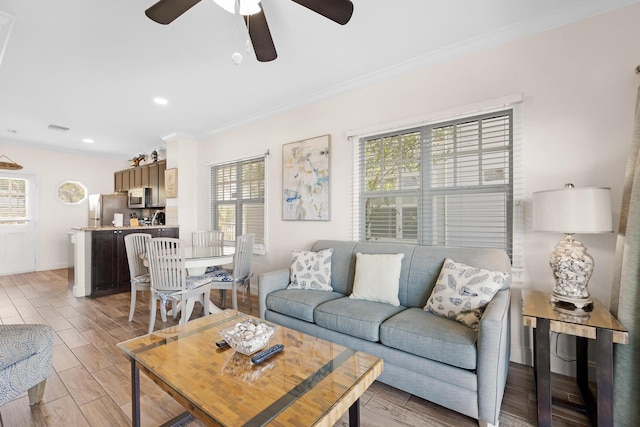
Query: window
x: 440, y: 184
x: 14, y: 208
x: 237, y: 200
x: 72, y: 192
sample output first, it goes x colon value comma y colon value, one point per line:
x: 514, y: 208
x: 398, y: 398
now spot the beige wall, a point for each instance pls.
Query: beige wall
x: 577, y: 84
x: 53, y: 218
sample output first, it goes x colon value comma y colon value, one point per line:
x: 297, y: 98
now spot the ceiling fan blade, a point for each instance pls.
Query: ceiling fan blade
x: 261, y: 37
x: 339, y: 11
x: 166, y: 11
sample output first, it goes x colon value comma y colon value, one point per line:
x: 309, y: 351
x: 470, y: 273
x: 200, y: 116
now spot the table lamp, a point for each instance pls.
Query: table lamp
x: 572, y: 210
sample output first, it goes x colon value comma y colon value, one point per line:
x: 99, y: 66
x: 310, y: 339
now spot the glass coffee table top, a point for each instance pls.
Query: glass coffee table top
x: 570, y: 320
x: 311, y: 382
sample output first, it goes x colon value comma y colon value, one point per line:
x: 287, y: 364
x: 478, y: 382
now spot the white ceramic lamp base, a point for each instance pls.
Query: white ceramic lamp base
x: 572, y: 267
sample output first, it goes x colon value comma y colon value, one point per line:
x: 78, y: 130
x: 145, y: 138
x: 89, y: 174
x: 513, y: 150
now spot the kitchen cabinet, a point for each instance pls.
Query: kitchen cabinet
x: 165, y: 232
x: 117, y: 182
x: 109, y: 264
x: 156, y: 182
x: 126, y: 180
x: 135, y: 177
x: 151, y: 175
x: 144, y: 172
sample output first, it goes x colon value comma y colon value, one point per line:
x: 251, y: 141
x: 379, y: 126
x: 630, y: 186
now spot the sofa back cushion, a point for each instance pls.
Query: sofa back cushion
x: 420, y: 265
x: 342, y: 271
x: 428, y: 261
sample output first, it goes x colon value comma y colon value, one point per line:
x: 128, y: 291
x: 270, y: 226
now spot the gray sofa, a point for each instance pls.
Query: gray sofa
x: 432, y: 357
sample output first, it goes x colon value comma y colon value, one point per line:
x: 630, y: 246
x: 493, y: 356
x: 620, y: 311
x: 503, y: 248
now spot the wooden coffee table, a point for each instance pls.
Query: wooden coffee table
x: 312, y: 382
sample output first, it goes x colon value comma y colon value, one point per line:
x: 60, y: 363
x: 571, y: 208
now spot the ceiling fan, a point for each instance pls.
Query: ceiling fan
x: 166, y: 11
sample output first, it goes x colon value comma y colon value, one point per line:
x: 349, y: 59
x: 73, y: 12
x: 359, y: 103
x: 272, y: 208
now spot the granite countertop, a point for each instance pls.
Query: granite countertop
x: 126, y: 227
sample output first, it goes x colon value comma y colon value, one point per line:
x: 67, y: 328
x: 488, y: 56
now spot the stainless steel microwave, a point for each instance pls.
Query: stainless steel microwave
x: 139, y: 197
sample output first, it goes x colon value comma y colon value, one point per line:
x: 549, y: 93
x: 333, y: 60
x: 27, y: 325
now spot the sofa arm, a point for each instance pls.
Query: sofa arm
x: 269, y: 282
x: 494, y: 348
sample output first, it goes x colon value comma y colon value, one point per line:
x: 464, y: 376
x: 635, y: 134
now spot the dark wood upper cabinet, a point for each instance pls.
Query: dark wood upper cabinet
x: 145, y: 176
x: 151, y: 175
x: 126, y: 182
x: 137, y: 177
x: 156, y: 182
x: 117, y: 182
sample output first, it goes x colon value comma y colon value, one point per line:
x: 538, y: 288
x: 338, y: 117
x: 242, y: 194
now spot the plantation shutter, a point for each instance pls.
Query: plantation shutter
x: 14, y: 208
x: 237, y: 200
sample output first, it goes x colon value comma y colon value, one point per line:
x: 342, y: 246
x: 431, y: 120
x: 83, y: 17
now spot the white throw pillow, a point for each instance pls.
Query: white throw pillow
x: 462, y: 292
x: 377, y: 277
x: 311, y: 270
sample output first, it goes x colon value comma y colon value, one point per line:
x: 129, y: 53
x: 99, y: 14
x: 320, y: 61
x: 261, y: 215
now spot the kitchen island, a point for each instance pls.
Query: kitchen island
x: 100, y: 257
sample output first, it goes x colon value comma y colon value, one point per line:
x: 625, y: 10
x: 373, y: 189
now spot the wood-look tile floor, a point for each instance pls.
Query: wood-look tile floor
x: 90, y: 383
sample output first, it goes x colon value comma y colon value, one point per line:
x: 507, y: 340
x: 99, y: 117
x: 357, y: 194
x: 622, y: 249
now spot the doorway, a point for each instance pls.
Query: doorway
x: 17, y: 223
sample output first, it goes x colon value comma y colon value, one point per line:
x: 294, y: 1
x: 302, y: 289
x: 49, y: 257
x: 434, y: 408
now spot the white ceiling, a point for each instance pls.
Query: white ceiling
x: 96, y: 65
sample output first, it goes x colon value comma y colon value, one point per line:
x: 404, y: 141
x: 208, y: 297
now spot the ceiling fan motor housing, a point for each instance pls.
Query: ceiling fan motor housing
x: 166, y: 11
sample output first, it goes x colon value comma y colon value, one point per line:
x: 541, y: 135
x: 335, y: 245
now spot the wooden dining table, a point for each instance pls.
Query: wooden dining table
x: 198, y: 258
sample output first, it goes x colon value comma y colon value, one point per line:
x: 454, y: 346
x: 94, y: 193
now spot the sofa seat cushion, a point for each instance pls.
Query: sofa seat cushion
x: 298, y: 303
x: 358, y: 318
x: 428, y: 335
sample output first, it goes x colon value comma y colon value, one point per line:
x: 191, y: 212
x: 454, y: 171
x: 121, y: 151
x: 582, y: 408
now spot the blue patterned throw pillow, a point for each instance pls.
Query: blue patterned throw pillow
x: 311, y: 270
x: 462, y: 292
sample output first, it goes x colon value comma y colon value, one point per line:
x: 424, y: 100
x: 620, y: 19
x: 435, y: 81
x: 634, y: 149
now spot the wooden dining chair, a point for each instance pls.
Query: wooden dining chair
x: 169, y: 280
x: 207, y: 238
x: 212, y: 238
x: 241, y: 273
x: 135, y: 245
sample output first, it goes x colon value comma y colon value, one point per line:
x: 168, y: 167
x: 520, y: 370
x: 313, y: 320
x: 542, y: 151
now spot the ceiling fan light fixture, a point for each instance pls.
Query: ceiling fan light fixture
x: 244, y: 7
x: 236, y: 58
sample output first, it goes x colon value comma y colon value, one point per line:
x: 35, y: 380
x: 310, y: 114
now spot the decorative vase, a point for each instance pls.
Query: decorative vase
x: 572, y: 267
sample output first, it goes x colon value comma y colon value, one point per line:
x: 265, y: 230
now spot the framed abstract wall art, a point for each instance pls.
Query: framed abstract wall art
x: 305, y: 179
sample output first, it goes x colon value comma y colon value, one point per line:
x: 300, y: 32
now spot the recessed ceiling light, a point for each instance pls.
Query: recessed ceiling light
x: 160, y: 101
x: 88, y: 141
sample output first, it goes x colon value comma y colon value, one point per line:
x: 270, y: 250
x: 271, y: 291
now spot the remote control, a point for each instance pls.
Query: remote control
x: 222, y: 344
x: 265, y: 354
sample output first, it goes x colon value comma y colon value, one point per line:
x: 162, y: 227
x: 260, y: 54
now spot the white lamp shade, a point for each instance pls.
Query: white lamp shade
x: 573, y: 210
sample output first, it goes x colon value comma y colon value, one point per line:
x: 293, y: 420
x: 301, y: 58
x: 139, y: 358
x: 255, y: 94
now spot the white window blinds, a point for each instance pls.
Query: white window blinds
x: 447, y: 184
x: 237, y: 200
x: 13, y: 201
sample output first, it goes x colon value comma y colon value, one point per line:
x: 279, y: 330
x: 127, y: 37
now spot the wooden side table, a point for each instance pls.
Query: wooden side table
x: 544, y: 316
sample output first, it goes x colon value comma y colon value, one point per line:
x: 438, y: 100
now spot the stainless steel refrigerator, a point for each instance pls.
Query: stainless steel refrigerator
x: 102, y: 207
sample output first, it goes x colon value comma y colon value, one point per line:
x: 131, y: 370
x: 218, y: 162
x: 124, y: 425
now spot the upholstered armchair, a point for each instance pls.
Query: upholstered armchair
x: 25, y: 361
